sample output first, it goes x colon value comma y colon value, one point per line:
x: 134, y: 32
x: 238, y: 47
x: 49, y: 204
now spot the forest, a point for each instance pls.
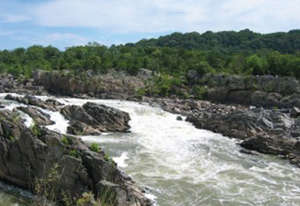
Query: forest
x: 229, y: 52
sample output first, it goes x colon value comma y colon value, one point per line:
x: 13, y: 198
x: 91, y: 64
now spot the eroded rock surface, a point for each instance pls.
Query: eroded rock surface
x: 37, y: 115
x: 94, y: 118
x: 51, y: 105
x: 30, y: 156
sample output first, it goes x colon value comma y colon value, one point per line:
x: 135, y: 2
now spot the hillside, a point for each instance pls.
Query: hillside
x: 244, y: 41
x: 243, y: 53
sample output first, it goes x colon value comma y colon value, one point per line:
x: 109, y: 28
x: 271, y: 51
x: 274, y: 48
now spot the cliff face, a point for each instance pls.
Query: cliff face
x: 113, y: 85
x: 263, y: 91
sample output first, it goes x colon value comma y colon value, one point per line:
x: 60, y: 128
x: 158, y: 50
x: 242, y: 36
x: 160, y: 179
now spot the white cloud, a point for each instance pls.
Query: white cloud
x: 14, y: 18
x: 168, y: 15
x: 53, y: 21
x: 122, y: 15
x: 6, y: 33
x: 55, y: 39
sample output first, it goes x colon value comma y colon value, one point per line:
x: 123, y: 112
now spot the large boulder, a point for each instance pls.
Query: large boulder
x: 61, y: 167
x: 242, y: 124
x: 277, y: 145
x: 94, y: 118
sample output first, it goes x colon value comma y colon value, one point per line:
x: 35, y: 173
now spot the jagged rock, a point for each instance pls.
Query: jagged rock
x: 246, y: 151
x: 93, y: 118
x: 37, y: 115
x: 111, y: 118
x: 54, y: 102
x: 295, y: 112
x: 277, y: 145
x: 80, y: 128
x: 62, y: 163
x: 31, y: 100
x: 113, y: 84
x: 241, y: 124
x: 145, y: 73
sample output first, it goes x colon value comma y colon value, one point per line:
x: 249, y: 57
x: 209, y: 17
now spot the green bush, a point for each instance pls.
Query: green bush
x: 94, y: 147
x: 199, y: 91
x: 65, y: 140
x: 74, y: 153
x: 35, y: 129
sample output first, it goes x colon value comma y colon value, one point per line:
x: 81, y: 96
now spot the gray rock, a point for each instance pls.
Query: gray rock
x: 179, y: 118
x: 60, y: 164
x: 93, y: 118
x: 37, y: 115
x: 31, y: 100
x: 295, y: 112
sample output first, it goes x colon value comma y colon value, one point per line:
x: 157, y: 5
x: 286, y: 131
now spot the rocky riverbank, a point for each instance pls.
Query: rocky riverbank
x: 261, y: 91
x: 274, y: 129
x: 61, y: 167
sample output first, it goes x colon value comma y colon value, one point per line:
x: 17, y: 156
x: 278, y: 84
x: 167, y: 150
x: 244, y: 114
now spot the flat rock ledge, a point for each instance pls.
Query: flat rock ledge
x: 31, y: 156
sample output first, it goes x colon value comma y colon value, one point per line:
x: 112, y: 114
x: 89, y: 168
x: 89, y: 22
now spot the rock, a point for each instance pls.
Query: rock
x: 31, y: 100
x: 192, y: 75
x: 54, y: 102
x: 113, y: 84
x: 245, y: 151
x: 60, y: 164
x: 37, y: 115
x: 110, y: 118
x: 242, y: 124
x: 80, y: 128
x: 270, y: 144
x: 145, y: 73
x: 93, y: 118
x: 179, y: 118
x: 295, y: 112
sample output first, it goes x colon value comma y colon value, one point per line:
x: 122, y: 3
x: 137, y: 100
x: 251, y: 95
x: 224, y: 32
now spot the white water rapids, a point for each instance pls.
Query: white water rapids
x: 183, y: 166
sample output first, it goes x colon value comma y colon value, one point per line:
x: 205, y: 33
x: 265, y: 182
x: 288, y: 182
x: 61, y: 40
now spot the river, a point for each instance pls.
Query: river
x: 183, y: 166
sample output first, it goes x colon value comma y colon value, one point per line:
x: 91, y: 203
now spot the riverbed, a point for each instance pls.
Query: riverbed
x: 180, y: 165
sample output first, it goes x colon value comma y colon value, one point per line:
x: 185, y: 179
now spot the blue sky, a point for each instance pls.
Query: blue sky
x: 64, y: 23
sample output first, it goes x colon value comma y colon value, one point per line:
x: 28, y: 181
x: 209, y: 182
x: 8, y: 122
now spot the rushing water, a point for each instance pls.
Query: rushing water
x: 181, y: 165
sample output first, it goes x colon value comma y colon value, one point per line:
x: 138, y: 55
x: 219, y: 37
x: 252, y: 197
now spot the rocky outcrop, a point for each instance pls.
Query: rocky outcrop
x: 243, y: 124
x: 49, y: 163
x: 270, y: 144
x: 266, y: 91
x: 188, y: 106
x: 51, y: 105
x: 10, y: 84
x: 93, y: 118
x: 37, y: 115
x: 265, y: 131
x: 112, y: 85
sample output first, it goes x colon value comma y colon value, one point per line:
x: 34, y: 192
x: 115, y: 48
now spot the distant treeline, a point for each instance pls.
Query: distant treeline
x: 244, y: 52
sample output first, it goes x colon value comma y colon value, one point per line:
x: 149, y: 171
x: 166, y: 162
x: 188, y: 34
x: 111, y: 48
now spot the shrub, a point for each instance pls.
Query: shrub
x: 35, y: 129
x: 199, y: 91
x: 74, y: 153
x: 94, y: 147
x: 65, y: 140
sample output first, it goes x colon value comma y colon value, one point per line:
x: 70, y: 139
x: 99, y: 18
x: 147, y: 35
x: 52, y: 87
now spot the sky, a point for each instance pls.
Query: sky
x: 65, y: 23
